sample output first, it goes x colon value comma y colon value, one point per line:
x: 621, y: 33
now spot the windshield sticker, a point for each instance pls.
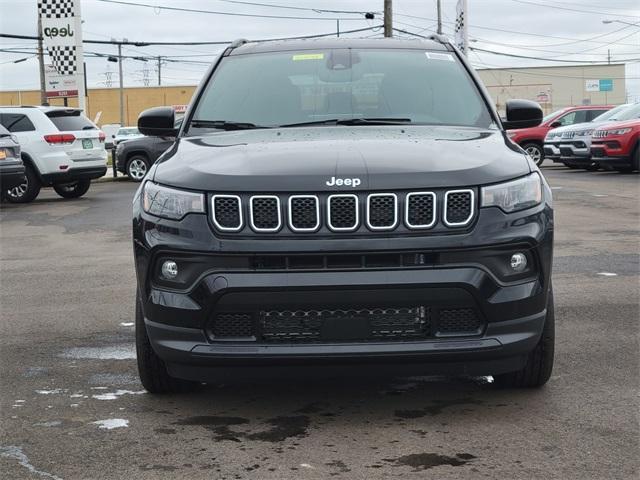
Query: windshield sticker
x: 308, y: 56
x: 439, y: 56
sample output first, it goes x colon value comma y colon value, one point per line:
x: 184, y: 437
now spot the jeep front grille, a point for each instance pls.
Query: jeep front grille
x: 356, y: 213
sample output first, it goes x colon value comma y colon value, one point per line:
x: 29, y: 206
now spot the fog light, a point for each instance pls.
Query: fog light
x: 170, y: 269
x: 518, y: 262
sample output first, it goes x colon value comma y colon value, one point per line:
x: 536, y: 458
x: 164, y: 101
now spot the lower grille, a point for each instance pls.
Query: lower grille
x: 458, y: 321
x: 360, y: 325
x: 227, y: 326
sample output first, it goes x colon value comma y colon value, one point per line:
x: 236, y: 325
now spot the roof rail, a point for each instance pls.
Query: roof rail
x: 440, y: 38
x: 239, y: 42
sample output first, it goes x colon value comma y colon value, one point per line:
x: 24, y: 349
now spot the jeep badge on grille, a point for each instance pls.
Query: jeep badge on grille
x: 348, y: 182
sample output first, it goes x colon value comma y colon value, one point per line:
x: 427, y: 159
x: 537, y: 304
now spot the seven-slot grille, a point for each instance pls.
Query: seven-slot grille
x: 458, y: 207
x: 343, y: 212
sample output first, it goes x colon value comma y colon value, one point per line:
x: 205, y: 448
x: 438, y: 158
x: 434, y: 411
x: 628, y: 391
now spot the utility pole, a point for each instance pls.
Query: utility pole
x: 388, y: 20
x: 608, y: 57
x: 159, y: 70
x: 439, y: 7
x: 121, y: 84
x: 337, y: 27
x: 43, y: 87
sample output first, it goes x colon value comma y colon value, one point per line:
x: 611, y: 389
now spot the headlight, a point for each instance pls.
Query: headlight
x: 619, y: 131
x: 515, y: 195
x: 170, y: 203
x: 550, y: 136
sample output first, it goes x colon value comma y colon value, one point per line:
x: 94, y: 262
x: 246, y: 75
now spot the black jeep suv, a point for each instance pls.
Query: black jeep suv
x: 343, y: 202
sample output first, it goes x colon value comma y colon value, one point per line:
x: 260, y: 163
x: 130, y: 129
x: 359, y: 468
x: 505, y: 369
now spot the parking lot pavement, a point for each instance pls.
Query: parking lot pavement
x: 73, y: 408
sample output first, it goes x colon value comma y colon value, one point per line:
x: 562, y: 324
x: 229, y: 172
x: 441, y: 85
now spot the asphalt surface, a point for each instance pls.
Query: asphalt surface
x: 72, y: 407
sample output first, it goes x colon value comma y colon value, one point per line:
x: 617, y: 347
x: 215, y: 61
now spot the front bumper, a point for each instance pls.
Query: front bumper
x: 551, y: 151
x: 454, y: 274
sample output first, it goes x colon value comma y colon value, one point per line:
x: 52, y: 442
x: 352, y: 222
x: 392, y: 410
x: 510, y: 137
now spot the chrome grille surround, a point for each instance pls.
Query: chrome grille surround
x: 356, y: 212
x: 290, y: 213
x: 252, y: 214
x: 214, y: 217
x: 407, y: 206
x: 393, y: 225
x: 472, y: 207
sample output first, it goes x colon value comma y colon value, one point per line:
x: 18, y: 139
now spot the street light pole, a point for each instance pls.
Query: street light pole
x: 43, y: 87
x: 439, y: 7
x: 122, y: 124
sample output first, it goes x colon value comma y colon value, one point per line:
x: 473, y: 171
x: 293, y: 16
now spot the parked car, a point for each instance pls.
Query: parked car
x: 293, y: 224
x: 134, y: 157
x: 571, y: 145
x: 60, y: 147
x: 616, y: 146
x: 110, y: 130
x: 532, y: 139
x: 11, y: 166
x: 125, y: 134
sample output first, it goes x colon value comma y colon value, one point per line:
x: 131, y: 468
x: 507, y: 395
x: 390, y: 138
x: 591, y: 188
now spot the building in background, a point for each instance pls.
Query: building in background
x: 103, y: 103
x: 557, y: 87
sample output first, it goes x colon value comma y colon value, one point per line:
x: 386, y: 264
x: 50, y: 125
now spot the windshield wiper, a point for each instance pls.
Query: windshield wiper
x: 353, y: 121
x: 224, y: 125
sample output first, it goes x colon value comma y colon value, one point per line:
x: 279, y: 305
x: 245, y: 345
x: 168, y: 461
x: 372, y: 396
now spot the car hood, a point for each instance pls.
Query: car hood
x: 623, y: 124
x: 305, y: 159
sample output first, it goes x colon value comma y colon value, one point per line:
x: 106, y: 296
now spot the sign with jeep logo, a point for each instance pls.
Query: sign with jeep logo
x: 61, y: 30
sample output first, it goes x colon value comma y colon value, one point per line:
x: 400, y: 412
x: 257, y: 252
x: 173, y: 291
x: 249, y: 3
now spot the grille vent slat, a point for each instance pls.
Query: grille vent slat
x: 304, y: 213
x: 382, y: 211
x: 458, y: 207
x: 421, y: 210
x: 342, y: 213
x: 265, y: 213
x: 227, y: 212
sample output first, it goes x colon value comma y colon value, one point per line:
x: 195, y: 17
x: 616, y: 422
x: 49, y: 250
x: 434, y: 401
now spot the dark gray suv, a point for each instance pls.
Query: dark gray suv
x: 343, y: 202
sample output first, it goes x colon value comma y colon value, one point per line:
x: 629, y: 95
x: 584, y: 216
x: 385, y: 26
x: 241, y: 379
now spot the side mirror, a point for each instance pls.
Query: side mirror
x: 157, y: 122
x: 113, y: 136
x: 556, y: 124
x: 522, y: 114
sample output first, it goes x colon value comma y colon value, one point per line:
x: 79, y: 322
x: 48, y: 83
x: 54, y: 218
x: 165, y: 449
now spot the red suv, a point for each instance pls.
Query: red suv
x: 532, y: 139
x: 616, y: 146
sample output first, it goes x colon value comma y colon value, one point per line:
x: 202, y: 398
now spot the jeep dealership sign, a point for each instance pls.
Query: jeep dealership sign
x: 62, y: 35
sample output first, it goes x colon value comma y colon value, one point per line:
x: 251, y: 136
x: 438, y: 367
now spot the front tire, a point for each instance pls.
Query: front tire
x: 539, y: 364
x: 151, y: 368
x: 137, y: 168
x: 73, y: 190
x: 535, y: 152
x: 27, y: 191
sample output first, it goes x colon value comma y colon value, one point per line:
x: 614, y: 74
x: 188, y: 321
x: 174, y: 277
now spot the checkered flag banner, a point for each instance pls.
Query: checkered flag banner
x: 58, y: 18
x: 460, y: 28
x: 56, y: 8
x: 63, y: 59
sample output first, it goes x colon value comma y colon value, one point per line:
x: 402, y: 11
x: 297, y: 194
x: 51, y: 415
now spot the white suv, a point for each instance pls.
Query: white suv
x: 60, y: 148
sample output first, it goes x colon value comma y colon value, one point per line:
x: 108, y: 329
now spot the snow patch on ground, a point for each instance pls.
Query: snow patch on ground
x: 126, y: 324
x: 111, y: 423
x: 16, y: 453
x: 53, y: 423
x: 55, y: 391
x: 124, y: 351
x: 116, y: 394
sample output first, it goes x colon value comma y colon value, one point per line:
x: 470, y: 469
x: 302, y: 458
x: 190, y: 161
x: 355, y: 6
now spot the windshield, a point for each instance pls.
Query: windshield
x: 610, y: 114
x: 551, y: 115
x: 629, y: 113
x: 288, y: 88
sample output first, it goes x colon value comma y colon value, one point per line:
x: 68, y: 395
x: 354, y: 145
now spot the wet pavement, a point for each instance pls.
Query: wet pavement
x: 72, y: 407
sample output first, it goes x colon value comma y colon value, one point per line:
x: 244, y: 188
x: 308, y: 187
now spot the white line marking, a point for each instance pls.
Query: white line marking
x: 111, y: 423
x: 16, y: 453
x: 607, y: 274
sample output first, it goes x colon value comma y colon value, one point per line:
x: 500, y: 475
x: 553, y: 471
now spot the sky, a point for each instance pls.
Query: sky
x: 549, y: 29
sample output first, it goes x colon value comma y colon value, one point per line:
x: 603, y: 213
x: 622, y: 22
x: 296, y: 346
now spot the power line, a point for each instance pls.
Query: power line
x: 232, y: 14
x: 308, y: 9
x: 224, y: 42
x: 556, y: 7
